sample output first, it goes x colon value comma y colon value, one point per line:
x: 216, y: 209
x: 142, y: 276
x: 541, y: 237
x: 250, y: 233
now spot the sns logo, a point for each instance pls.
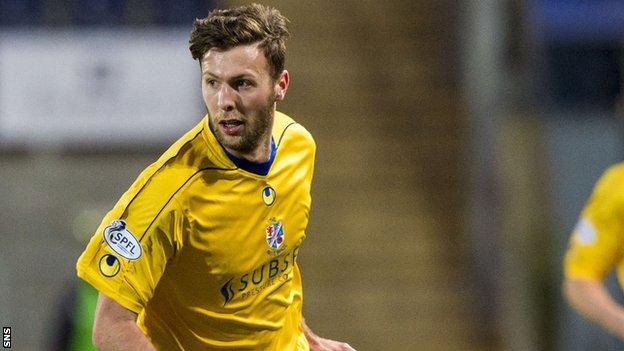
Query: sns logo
x: 120, y: 240
x: 6, y: 337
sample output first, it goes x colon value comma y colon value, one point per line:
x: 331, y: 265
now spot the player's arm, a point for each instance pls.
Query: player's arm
x: 320, y: 344
x: 115, y: 328
x: 592, y: 299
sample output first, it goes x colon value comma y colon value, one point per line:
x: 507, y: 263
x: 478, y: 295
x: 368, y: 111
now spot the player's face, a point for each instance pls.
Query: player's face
x: 240, y: 96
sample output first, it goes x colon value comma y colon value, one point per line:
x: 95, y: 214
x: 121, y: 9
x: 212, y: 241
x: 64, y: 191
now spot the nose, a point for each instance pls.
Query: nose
x: 225, y: 98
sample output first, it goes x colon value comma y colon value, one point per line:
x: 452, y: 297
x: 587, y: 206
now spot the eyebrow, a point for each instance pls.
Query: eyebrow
x: 239, y: 76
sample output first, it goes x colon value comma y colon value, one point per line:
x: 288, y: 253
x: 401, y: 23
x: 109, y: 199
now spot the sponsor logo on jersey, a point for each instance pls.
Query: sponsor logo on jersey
x: 268, y: 195
x: 109, y: 265
x: 275, y: 234
x: 121, y: 240
x: 276, y: 271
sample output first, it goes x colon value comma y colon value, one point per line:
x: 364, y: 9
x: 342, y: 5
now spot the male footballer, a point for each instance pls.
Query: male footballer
x: 596, y: 249
x: 201, y: 252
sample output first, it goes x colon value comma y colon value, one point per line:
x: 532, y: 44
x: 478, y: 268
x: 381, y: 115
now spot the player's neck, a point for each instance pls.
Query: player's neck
x: 260, y: 154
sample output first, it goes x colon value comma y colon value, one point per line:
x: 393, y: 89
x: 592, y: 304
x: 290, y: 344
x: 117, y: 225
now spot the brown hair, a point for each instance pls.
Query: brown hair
x: 225, y: 29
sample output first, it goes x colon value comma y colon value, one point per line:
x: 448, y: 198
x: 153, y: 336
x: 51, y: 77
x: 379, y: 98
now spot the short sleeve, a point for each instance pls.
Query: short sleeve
x: 128, y: 254
x: 595, y: 246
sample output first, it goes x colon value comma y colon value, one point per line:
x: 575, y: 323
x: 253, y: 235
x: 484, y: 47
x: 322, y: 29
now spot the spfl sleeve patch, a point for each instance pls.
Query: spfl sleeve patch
x: 121, y: 240
x: 585, y: 233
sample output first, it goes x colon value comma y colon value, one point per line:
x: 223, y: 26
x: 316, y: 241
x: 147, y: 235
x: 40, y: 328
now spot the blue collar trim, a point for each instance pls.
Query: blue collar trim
x: 261, y: 168
x: 254, y: 167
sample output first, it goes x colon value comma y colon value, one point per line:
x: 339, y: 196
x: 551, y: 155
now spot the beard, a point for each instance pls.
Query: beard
x: 256, y: 127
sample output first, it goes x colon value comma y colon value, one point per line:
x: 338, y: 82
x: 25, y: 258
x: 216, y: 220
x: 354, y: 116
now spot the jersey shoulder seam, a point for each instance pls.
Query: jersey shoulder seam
x: 164, y: 162
x: 173, y: 194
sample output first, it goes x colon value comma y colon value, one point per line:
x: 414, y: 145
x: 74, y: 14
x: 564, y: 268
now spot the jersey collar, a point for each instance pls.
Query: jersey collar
x: 259, y: 168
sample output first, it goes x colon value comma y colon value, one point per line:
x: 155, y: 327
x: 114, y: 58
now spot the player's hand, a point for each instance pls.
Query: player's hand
x: 320, y: 344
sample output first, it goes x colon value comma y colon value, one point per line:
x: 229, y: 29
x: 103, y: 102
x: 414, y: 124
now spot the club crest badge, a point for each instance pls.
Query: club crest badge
x: 268, y: 195
x: 275, y: 234
x: 121, y: 240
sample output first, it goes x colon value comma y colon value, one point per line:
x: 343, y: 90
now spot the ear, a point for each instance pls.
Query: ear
x: 281, y: 86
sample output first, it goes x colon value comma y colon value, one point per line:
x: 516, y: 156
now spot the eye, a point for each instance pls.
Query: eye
x: 211, y: 82
x: 243, y: 84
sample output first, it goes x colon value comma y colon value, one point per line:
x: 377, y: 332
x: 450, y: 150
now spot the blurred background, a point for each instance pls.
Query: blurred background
x: 457, y: 144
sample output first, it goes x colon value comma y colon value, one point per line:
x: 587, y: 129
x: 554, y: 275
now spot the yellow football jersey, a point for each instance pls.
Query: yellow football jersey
x: 204, y: 246
x: 597, y: 243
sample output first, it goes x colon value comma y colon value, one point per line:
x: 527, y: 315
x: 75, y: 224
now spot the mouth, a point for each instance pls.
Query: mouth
x: 231, y: 126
